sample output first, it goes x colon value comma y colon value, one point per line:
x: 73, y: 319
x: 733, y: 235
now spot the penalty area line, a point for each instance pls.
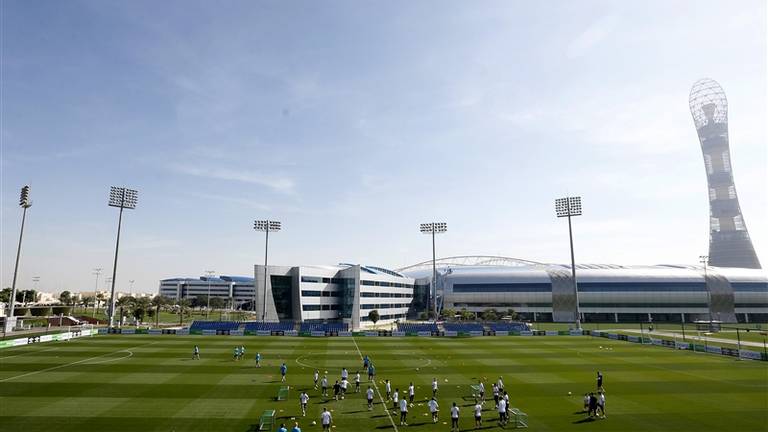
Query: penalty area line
x: 383, y: 402
x: 74, y: 363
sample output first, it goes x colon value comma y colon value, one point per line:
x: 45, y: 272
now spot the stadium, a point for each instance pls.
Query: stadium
x: 729, y: 287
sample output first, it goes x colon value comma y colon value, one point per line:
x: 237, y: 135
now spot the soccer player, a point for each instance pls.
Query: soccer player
x: 411, y: 393
x: 500, y: 384
x: 507, y: 404
x: 236, y: 354
x: 481, y: 391
x: 258, y: 360
x: 478, y: 415
x: 344, y: 384
x: 454, y: 418
x: 296, y: 427
x: 324, y: 385
x: 371, y: 372
x: 403, y: 412
x: 326, y: 419
x: 586, y: 402
x: 434, y: 408
x: 196, y: 353
x: 601, y: 404
x: 303, y: 399
x: 282, y: 428
x: 502, y: 409
x: 283, y: 371
x: 357, y: 382
x: 315, y: 377
x: 496, y: 395
x: 365, y: 362
x: 599, y: 381
x: 242, y: 351
x: 336, y: 390
x: 395, y: 398
x: 434, y: 387
x: 369, y: 396
x: 592, y: 405
x: 388, y: 388
x: 344, y: 374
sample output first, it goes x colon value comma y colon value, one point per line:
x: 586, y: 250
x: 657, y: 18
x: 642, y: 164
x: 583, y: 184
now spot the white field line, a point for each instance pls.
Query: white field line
x: 70, y: 364
x: 28, y: 353
x: 383, y: 402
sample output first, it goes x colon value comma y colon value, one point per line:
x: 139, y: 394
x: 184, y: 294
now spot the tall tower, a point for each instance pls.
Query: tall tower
x: 729, y: 243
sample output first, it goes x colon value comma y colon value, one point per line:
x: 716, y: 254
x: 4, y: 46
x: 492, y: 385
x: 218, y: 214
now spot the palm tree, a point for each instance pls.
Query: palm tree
x: 124, y: 302
x: 100, y: 297
x: 183, y: 306
x: 158, y: 301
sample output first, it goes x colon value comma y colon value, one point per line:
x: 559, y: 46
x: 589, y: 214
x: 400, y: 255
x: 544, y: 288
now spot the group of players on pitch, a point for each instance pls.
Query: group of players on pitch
x: 402, y: 404
x: 592, y: 402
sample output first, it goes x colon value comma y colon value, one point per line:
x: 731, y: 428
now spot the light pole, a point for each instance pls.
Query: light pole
x: 25, y: 203
x: 97, y: 272
x: 35, y: 280
x: 433, y: 228
x: 266, y: 226
x: 569, y: 207
x: 208, y: 307
x: 122, y: 198
x: 704, y: 260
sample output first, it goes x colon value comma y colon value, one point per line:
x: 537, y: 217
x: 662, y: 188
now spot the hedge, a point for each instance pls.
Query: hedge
x: 40, y: 311
x: 62, y: 310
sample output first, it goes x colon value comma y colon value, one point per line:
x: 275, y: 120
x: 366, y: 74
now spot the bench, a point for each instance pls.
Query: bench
x: 267, y: 420
x: 282, y: 393
x: 519, y: 418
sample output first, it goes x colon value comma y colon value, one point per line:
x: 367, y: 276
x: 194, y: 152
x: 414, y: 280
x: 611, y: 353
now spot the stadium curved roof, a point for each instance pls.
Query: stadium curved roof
x: 472, y: 261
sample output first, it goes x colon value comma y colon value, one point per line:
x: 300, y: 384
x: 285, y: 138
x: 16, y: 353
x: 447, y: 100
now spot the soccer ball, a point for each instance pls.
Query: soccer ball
x: 314, y: 422
x: 569, y: 393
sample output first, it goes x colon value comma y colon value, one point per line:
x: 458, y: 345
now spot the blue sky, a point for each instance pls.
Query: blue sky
x: 352, y: 122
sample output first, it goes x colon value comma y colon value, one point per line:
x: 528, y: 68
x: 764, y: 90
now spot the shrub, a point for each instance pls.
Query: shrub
x: 20, y: 311
x: 40, y: 311
x: 61, y: 310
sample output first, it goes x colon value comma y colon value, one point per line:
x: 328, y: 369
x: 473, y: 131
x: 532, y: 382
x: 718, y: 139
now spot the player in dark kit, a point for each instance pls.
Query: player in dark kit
x: 599, y: 381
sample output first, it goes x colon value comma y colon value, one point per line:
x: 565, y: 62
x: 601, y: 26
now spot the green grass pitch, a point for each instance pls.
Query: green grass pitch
x: 150, y: 383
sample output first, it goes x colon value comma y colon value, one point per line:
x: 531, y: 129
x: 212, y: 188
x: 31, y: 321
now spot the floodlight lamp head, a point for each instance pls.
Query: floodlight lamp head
x: 568, y: 206
x: 266, y: 225
x: 24, y: 200
x: 433, y: 228
x: 123, y: 197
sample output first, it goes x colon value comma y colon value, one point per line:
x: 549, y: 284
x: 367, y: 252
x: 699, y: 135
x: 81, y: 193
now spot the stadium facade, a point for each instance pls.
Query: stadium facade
x: 607, y: 293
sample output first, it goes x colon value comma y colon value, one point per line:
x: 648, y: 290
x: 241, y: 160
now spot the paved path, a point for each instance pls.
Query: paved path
x: 694, y: 337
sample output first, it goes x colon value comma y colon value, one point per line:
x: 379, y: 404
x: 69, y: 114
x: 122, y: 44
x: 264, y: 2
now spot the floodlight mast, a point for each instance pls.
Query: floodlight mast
x: 266, y: 226
x: 122, y: 198
x: 24, y: 203
x: 568, y: 207
x: 704, y: 260
x: 433, y: 228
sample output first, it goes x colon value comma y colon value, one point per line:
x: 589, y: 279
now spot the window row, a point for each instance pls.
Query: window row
x: 326, y: 280
x: 385, y: 284
x: 319, y: 307
x: 384, y: 317
x: 311, y: 293
x: 386, y: 295
x: 384, y: 306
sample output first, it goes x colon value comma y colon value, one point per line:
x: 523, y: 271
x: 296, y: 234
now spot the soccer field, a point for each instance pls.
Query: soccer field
x: 150, y: 383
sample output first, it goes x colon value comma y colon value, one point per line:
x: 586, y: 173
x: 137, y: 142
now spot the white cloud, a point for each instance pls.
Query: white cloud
x: 591, y: 37
x: 278, y: 184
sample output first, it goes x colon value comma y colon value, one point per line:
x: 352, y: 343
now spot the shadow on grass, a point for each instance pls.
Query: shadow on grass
x: 585, y: 420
